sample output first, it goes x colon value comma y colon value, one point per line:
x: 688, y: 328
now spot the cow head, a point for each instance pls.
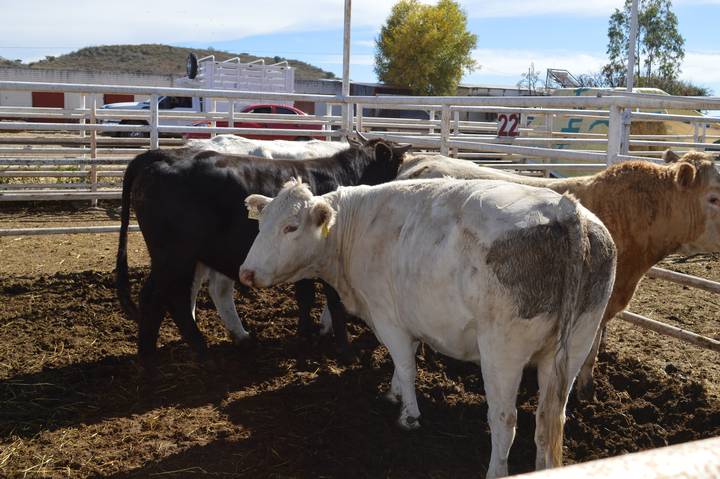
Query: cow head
x: 697, y: 177
x: 294, y: 228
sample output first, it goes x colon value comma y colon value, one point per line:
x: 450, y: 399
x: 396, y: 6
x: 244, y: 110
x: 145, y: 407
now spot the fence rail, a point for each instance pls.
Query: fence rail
x: 53, y: 153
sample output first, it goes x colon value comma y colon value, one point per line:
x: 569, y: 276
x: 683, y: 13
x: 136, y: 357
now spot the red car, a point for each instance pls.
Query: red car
x: 265, y: 108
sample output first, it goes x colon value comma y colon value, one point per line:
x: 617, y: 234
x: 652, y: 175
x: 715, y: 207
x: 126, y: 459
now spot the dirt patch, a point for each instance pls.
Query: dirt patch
x: 73, y: 402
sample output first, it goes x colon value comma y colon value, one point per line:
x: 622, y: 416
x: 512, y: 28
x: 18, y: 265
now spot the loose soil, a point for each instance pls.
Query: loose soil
x: 73, y: 401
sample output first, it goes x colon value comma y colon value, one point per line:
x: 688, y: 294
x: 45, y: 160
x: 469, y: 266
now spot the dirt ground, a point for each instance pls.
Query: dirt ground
x: 74, y: 404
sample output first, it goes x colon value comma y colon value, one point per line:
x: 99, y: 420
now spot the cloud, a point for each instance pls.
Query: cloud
x: 359, y: 59
x: 365, y: 43
x: 702, y: 68
x: 515, y: 62
x: 80, y: 23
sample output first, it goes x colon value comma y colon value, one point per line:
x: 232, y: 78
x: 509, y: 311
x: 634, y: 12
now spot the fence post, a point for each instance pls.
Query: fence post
x: 616, y: 132
x: 326, y: 124
x: 93, y: 151
x: 444, y: 129
x: 456, y: 131
x: 213, y: 109
x: 231, y: 114
x: 154, y: 121
x: 431, y: 115
x: 359, y: 117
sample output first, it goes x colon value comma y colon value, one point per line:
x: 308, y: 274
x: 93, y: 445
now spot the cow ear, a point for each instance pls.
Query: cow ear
x: 401, y: 148
x: 322, y: 216
x: 383, y: 152
x: 685, y: 175
x: 255, y: 205
x: 670, y: 156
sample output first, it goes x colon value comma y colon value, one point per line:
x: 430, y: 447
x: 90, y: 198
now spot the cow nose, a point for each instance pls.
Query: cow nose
x: 247, y: 277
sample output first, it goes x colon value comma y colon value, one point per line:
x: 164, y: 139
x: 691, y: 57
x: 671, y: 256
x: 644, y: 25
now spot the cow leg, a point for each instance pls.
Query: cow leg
x: 179, y: 283
x: 585, y: 386
x: 201, y: 274
x: 554, y: 391
x: 326, y: 326
x: 152, y: 310
x: 402, y: 347
x: 221, y: 291
x: 305, y: 297
x: 502, y: 372
x: 394, y: 393
x: 338, y: 316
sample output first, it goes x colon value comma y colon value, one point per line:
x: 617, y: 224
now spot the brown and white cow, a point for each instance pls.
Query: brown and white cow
x: 650, y: 210
x: 487, y: 271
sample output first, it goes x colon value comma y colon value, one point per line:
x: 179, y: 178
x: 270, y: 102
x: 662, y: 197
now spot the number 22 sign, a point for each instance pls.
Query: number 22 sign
x: 508, y: 124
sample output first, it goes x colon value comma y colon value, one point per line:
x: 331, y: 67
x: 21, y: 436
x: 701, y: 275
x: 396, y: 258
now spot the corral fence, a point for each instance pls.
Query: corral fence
x: 62, y: 154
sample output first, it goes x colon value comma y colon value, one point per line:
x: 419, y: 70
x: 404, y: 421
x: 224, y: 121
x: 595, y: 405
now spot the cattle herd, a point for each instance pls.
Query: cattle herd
x: 484, y: 266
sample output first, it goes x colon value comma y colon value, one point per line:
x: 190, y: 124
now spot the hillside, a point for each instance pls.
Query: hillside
x: 158, y: 59
x: 4, y: 62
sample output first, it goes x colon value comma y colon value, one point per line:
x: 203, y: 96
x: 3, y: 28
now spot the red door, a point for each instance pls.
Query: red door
x: 117, y: 98
x: 48, y: 99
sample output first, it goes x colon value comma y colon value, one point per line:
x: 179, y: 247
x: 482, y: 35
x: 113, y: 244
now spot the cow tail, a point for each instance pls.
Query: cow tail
x: 122, y: 281
x: 559, y: 386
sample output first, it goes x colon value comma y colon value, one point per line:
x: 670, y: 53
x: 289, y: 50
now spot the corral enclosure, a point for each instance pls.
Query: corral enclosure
x: 73, y: 401
x: 74, y: 404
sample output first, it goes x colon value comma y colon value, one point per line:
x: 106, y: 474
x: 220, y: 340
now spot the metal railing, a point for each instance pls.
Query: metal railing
x: 93, y: 157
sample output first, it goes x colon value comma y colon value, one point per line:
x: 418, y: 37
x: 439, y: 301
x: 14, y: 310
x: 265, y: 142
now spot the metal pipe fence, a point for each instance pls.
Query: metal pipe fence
x: 66, y: 143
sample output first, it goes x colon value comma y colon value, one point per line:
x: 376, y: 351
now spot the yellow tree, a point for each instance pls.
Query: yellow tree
x: 425, y: 48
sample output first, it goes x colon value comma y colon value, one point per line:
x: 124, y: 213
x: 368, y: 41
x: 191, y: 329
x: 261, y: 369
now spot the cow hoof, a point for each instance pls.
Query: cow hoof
x: 409, y: 423
x: 392, y: 397
x: 586, y: 392
x: 346, y: 356
x: 242, y: 339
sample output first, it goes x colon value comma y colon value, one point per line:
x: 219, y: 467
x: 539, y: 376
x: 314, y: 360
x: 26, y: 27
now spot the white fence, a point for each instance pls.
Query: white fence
x: 446, y: 130
x: 54, y: 153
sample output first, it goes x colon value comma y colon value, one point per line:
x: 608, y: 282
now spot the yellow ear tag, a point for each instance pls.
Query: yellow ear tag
x: 325, y: 230
x: 253, y: 213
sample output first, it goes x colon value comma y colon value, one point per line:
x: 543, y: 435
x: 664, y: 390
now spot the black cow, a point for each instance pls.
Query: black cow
x: 191, y: 211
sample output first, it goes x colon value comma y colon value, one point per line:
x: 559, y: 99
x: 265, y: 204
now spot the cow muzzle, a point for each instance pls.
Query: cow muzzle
x: 247, y: 277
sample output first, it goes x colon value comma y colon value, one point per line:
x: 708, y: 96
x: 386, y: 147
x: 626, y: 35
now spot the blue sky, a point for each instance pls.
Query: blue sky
x: 570, y: 34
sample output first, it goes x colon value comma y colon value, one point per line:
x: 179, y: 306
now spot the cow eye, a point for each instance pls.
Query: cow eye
x: 714, y: 200
x: 289, y: 229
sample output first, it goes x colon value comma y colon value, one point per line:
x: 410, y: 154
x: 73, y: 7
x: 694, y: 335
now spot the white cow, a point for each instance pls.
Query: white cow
x: 483, y: 271
x: 221, y: 287
x: 275, y: 149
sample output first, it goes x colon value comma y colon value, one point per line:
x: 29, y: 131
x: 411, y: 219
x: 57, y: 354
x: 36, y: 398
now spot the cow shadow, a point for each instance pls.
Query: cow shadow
x: 116, y: 386
x: 339, y: 425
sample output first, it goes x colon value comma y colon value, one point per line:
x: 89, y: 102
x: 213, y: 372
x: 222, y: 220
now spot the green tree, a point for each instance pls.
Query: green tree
x: 659, y: 49
x: 425, y: 48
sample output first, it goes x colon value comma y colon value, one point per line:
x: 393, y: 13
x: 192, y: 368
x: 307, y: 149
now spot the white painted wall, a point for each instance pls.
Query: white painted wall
x: 15, y: 98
